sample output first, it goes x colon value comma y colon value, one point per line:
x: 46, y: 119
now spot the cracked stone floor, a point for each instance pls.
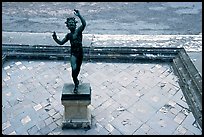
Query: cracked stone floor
x: 127, y: 99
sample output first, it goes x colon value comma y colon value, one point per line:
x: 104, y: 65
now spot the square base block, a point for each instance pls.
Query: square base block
x: 77, y: 122
x: 76, y: 112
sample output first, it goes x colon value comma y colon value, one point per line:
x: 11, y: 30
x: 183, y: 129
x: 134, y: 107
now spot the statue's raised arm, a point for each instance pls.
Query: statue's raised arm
x: 77, y: 13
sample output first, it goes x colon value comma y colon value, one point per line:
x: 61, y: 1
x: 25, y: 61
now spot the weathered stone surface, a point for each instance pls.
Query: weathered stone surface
x: 76, y: 112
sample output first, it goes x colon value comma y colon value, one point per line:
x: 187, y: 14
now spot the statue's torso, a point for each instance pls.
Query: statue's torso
x: 76, y: 43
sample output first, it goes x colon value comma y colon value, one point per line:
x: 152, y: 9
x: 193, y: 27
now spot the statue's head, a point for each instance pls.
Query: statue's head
x: 71, y: 23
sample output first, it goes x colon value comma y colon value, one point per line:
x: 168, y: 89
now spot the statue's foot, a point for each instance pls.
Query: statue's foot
x: 76, y: 86
x: 76, y: 89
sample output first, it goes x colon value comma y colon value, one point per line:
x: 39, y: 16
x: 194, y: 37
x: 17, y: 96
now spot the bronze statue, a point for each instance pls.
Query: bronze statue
x: 75, y: 38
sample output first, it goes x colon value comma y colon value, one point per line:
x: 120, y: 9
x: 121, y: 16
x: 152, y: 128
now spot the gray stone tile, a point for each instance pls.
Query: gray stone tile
x: 124, y: 98
x: 22, y: 130
x: 174, y: 110
x: 105, y: 121
x: 8, y: 130
x: 59, y: 107
x: 102, y: 131
x: 91, y: 132
x: 32, y: 114
x: 6, y: 125
x: 178, y: 107
x: 16, y: 122
x: 152, y: 132
x: 182, y: 103
x: 7, y: 114
x: 51, y: 133
x: 188, y: 123
x: 97, y: 78
x: 154, y: 98
x: 118, y: 110
x: 26, y: 127
x: 162, y: 124
x: 179, y: 118
x: 48, y: 108
x: 45, y: 130
x: 142, y: 110
x: 124, y: 78
x: 53, y: 126
x: 14, y: 133
x: 56, y: 116
x: 40, y: 124
x: 103, y: 107
x: 44, y: 103
x: 33, y: 130
x: 149, y: 79
x: 59, y: 122
x: 97, y: 129
x: 49, y: 120
x: 5, y: 104
x: 57, y: 96
x: 57, y: 131
x: 189, y: 133
x: 13, y: 101
x: 109, y: 127
x: 180, y: 131
x: 115, y: 132
x: 21, y: 87
x: 170, y: 115
x: 37, y: 107
x: 126, y: 123
x: 52, y: 112
x: 142, y: 87
x: 112, y: 89
x: 142, y: 130
x: 99, y: 101
x: 25, y: 120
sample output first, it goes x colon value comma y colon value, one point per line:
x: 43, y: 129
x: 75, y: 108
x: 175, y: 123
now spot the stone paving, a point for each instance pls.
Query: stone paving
x: 127, y: 99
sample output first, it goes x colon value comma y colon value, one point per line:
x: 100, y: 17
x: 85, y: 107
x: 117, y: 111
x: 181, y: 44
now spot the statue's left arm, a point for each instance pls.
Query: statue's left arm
x: 81, y: 28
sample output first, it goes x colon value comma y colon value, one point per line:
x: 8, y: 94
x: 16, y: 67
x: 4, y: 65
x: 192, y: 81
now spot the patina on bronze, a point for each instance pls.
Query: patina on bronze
x: 75, y: 37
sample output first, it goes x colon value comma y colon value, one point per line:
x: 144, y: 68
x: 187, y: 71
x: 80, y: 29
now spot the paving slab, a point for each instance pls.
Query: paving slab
x: 133, y: 109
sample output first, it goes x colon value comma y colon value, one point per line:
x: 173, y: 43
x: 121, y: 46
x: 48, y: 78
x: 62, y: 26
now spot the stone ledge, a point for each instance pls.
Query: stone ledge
x: 84, y: 92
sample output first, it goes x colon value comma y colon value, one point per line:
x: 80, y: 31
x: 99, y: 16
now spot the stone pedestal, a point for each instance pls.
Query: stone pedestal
x: 76, y: 112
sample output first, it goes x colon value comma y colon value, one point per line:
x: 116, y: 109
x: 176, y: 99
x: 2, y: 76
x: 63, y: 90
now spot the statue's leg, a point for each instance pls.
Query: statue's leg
x: 79, y: 62
x: 74, y: 72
